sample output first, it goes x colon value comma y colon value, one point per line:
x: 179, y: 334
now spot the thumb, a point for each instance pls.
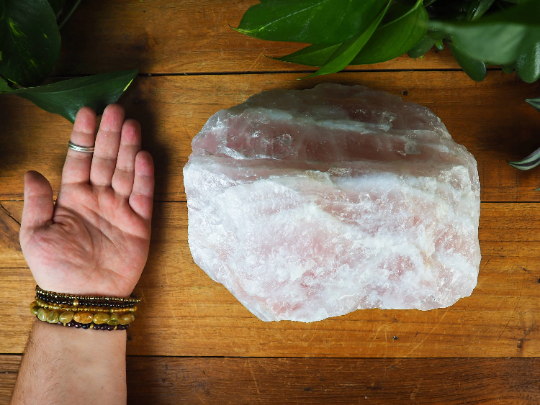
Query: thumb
x: 38, y: 202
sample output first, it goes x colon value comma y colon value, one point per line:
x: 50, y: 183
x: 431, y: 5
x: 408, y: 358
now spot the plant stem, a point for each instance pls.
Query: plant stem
x: 69, y: 14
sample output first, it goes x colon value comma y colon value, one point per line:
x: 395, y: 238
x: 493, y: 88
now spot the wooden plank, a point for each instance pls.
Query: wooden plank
x: 491, y: 119
x: 332, y: 381
x: 185, y: 313
x: 9, y: 369
x: 10, y: 250
x: 174, y: 380
x: 189, y: 36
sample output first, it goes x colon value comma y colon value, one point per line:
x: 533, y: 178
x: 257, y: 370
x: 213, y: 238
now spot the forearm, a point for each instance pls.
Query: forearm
x: 65, y: 365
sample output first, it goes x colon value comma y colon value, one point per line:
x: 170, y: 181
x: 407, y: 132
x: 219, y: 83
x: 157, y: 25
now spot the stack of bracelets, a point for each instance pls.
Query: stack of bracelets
x: 86, y: 312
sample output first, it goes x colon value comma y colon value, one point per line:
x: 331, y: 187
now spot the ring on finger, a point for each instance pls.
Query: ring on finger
x: 79, y: 148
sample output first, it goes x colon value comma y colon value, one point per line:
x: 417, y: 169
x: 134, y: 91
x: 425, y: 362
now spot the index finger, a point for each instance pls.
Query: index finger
x: 77, y: 165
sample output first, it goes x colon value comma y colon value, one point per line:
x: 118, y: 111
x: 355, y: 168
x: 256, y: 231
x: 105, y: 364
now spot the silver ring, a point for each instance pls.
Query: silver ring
x: 79, y: 148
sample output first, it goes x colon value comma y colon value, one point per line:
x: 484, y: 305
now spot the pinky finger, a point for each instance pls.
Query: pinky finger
x: 142, y: 195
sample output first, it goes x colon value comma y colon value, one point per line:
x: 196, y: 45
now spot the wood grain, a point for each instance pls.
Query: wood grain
x: 332, y: 381
x: 185, y: 313
x: 172, y: 110
x: 10, y: 250
x: 191, y: 36
x: 9, y: 369
x: 174, y: 380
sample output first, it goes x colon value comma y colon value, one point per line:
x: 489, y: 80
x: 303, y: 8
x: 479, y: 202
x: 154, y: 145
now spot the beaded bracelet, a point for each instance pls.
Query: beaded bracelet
x: 46, y: 305
x: 83, y: 300
x: 65, y: 317
x: 87, y: 312
x: 77, y: 325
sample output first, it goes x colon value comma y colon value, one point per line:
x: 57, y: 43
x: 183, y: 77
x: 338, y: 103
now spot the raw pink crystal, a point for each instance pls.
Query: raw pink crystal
x: 315, y: 203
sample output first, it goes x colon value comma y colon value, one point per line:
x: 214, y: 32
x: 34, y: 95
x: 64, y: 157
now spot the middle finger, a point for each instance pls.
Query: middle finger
x: 107, y: 144
x: 130, y: 145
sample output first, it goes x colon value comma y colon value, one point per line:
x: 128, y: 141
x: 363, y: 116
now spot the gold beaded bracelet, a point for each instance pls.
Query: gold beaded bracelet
x: 66, y: 317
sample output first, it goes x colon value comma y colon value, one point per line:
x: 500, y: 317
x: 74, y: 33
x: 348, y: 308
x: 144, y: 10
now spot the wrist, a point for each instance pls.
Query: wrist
x: 87, y: 285
x: 74, y: 340
x: 68, y: 366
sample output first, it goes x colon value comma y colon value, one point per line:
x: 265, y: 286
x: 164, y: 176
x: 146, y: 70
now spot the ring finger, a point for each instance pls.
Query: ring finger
x: 77, y: 165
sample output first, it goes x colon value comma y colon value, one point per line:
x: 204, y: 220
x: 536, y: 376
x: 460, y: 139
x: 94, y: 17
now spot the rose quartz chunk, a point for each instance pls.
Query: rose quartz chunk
x: 315, y: 203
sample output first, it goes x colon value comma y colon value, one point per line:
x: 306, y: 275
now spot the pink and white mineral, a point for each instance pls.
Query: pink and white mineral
x: 315, y: 203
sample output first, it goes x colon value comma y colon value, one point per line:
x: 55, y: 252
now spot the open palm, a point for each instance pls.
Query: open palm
x: 95, y: 240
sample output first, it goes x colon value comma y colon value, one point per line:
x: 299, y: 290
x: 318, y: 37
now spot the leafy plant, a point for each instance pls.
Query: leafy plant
x: 357, y: 32
x: 29, y: 50
x: 533, y: 160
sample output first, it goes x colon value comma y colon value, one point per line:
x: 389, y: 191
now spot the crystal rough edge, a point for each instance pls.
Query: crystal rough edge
x: 315, y: 203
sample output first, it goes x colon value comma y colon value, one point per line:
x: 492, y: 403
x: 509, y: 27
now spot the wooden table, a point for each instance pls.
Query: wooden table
x: 194, y: 342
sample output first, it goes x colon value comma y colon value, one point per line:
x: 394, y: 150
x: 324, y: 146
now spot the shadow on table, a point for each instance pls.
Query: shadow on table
x: 12, y: 147
x: 140, y: 107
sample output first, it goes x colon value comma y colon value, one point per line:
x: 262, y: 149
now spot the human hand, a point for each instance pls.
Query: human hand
x: 95, y: 240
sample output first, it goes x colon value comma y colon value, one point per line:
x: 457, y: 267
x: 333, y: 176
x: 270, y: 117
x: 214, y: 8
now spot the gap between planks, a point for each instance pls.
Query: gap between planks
x: 167, y: 380
x: 184, y: 201
x: 266, y: 72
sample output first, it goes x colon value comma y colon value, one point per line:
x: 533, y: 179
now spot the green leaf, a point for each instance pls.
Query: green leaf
x: 528, y: 65
x: 313, y: 55
x: 349, y: 49
x: 437, y: 35
x: 508, y: 68
x: 474, y: 68
x: 393, y: 32
x: 500, y: 37
x: 533, y: 159
x: 478, y: 9
x: 529, y: 162
x: 311, y: 21
x: 535, y: 102
x: 29, y: 41
x: 422, y: 47
x: 68, y: 96
x: 395, y: 37
x: 4, y: 86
